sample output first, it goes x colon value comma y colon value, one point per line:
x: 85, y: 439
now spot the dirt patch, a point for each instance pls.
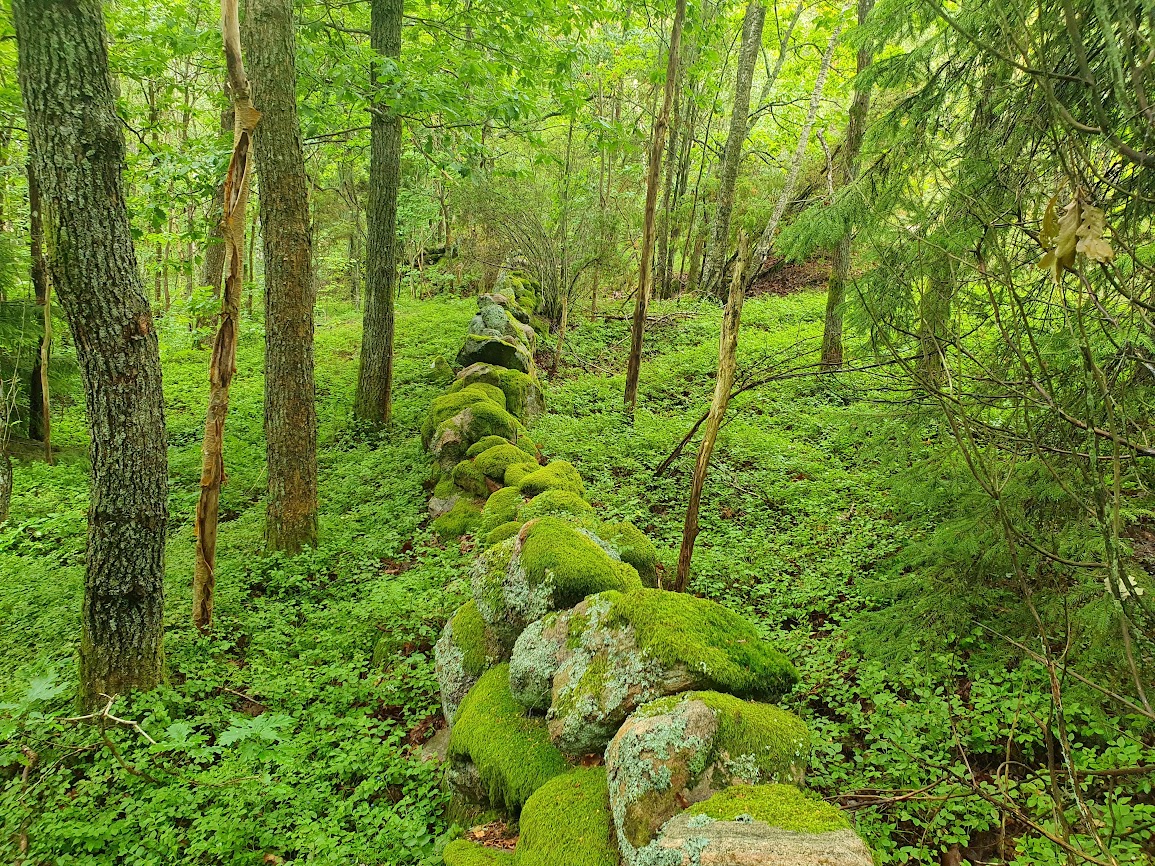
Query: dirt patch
x: 780, y: 277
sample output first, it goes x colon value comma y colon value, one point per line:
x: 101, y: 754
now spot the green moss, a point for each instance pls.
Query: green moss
x: 514, y: 474
x: 556, y: 502
x: 485, y: 443
x: 558, y: 474
x: 574, y: 563
x: 514, y: 384
x: 502, y: 532
x: 567, y: 822
x: 513, y: 753
x: 469, y: 637
x: 755, y: 741
x: 468, y: 476
x: 447, y: 405
x: 777, y: 805
x: 440, y: 371
x: 462, y: 852
x: 494, y: 461
x: 462, y: 518
x: 501, y: 507
x: 445, y: 488
x: 633, y: 547
x: 723, y: 650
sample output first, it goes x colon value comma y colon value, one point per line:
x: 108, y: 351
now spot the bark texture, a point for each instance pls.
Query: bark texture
x: 735, y: 139
x: 78, y: 157
x: 653, y: 170
x: 848, y: 171
x: 213, y: 267
x: 374, y: 398
x: 39, y: 415
x: 290, y: 409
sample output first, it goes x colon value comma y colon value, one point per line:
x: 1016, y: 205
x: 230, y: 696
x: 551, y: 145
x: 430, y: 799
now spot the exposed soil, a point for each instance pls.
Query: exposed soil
x: 780, y: 277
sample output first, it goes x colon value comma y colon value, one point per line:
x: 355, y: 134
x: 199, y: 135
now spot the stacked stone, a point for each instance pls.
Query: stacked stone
x: 618, y: 722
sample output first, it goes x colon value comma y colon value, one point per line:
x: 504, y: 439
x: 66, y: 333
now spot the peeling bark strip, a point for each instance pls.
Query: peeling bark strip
x: 290, y: 410
x: 223, y: 364
x: 68, y: 100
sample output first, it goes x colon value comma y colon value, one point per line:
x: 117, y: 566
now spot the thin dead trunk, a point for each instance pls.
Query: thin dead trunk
x: 39, y: 414
x: 723, y: 382
x: 290, y: 293
x: 642, y: 298
x: 223, y: 363
x: 840, y: 260
x: 213, y: 267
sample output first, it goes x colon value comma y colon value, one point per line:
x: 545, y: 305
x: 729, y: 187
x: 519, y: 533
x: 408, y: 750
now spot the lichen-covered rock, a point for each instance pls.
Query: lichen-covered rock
x: 534, y: 659
x: 555, y: 475
x: 466, y: 649
x: 682, y: 749
x: 511, y: 751
x: 625, y: 649
x: 494, y: 461
x: 632, y: 545
x: 549, y: 565
x: 523, y: 394
x: 764, y: 825
x: 566, y: 822
x: 495, y: 350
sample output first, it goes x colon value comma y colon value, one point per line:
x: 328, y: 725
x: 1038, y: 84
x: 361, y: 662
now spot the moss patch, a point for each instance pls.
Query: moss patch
x: 567, y: 822
x: 571, y: 562
x: 516, y: 473
x: 447, y: 405
x: 462, y: 518
x: 722, y: 649
x: 494, y: 461
x: 518, y: 387
x: 502, y: 532
x: 558, y: 474
x: 777, y: 805
x: 468, y: 476
x: 556, y: 502
x: 485, y: 443
x: 513, y: 754
x: 462, y: 852
x: 469, y: 637
x: 633, y: 547
x: 501, y: 507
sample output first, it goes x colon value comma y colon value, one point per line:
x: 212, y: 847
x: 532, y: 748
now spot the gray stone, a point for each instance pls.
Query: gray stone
x: 690, y: 840
x: 495, y: 350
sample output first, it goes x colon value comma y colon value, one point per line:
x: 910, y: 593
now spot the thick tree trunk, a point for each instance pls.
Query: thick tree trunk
x: 723, y: 382
x: 223, y: 366
x: 840, y: 260
x: 657, y: 145
x: 290, y: 409
x: 735, y: 140
x: 373, y: 403
x: 70, y: 110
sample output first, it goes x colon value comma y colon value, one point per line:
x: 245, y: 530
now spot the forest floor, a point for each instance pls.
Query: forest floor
x: 292, y: 732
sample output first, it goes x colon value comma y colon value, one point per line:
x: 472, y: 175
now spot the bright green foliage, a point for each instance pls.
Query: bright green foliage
x: 557, y: 474
x: 567, y: 822
x: 573, y: 563
x: 462, y: 852
x: 501, y: 507
x: 469, y: 636
x: 485, y: 443
x: 715, y: 643
x: 515, y: 473
x: 512, y: 752
x: 502, y: 532
x: 777, y: 805
x: 634, y: 547
x: 448, y: 405
x: 468, y: 476
x: 494, y: 461
x: 459, y: 520
x: 751, y: 736
x: 556, y: 502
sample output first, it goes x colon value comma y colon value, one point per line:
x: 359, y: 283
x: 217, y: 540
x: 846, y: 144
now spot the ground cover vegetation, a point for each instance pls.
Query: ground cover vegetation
x: 845, y: 310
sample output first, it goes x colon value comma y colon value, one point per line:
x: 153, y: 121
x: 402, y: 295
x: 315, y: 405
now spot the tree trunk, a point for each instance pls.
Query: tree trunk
x: 723, y: 382
x: 642, y: 298
x: 735, y: 140
x: 223, y: 363
x: 70, y: 110
x: 290, y: 409
x: 373, y: 403
x: 840, y: 261
x: 39, y: 414
x: 213, y: 267
x: 661, y: 262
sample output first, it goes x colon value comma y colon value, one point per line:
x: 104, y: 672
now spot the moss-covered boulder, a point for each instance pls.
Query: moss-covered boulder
x: 682, y: 749
x: 509, y: 752
x: 467, y: 648
x: 515, y: 473
x: 469, y: 476
x: 487, y: 442
x: 445, y: 496
x: 566, y: 822
x: 556, y: 503
x: 556, y: 475
x: 549, y: 565
x: 452, y: 438
x: 447, y: 405
x: 502, y: 532
x: 462, y: 519
x: 462, y: 852
x: 523, y: 394
x: 495, y: 350
x: 440, y: 372
x: 501, y: 507
x: 494, y: 461
x: 632, y: 545
x: 622, y: 650
x: 762, y: 825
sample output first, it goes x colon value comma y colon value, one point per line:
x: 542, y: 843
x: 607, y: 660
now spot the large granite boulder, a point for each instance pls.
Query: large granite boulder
x: 503, y: 352
x: 523, y: 394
